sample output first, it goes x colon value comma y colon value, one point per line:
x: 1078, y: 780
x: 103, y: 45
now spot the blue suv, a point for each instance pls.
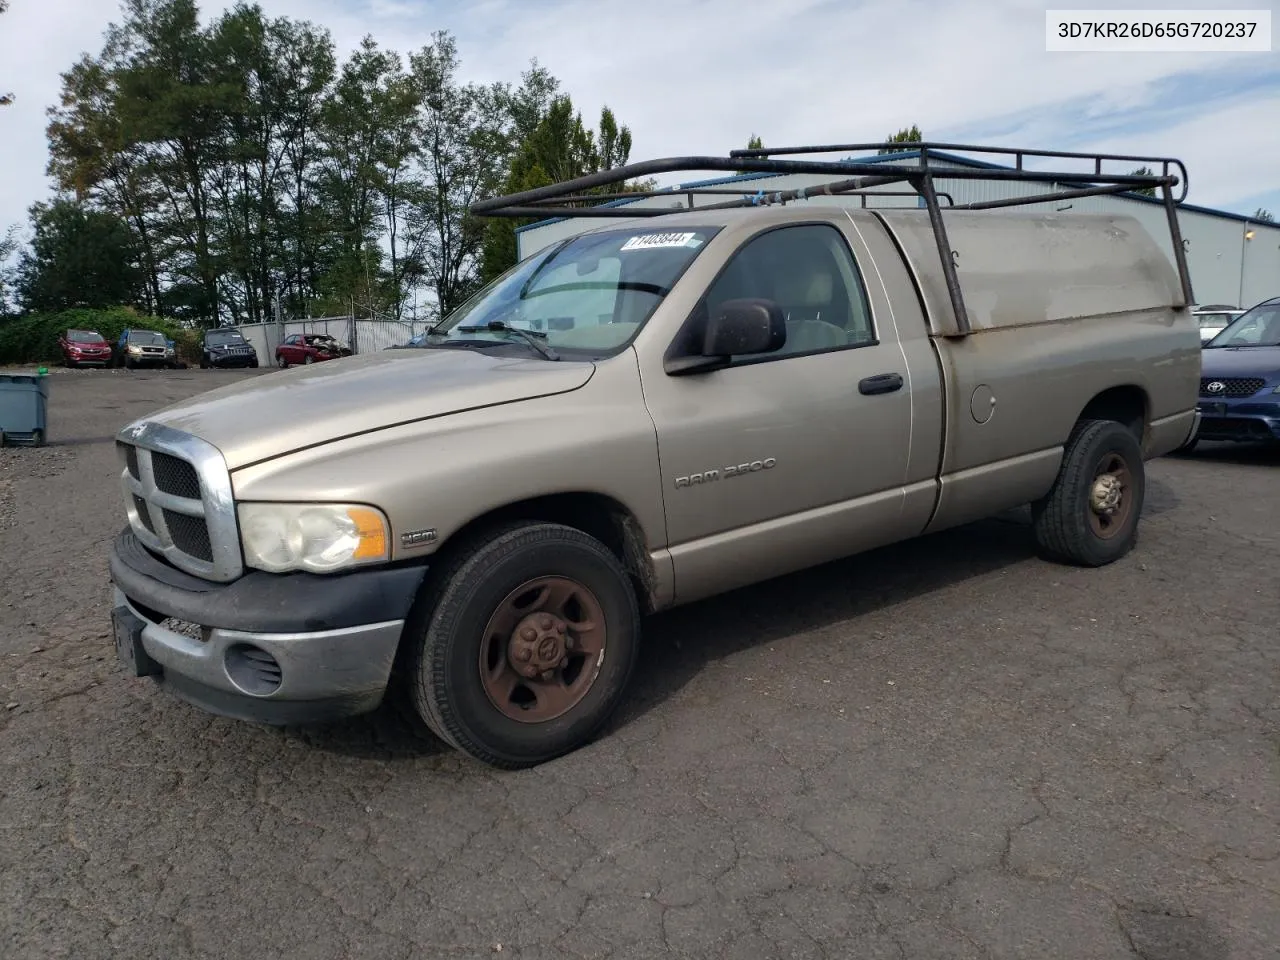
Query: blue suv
x: 1240, y: 378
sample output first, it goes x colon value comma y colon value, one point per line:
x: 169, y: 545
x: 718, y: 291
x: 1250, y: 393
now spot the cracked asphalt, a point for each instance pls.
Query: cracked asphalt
x: 944, y: 749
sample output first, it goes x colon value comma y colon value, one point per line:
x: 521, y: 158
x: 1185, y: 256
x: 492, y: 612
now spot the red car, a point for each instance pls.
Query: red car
x: 83, y: 347
x: 309, y: 348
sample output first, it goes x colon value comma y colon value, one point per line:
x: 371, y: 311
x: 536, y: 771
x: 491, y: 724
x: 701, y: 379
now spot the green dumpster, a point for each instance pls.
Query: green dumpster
x: 24, y: 402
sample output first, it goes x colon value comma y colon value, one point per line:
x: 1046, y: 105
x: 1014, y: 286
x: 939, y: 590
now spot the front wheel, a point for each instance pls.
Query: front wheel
x: 524, y: 647
x: 1090, y: 517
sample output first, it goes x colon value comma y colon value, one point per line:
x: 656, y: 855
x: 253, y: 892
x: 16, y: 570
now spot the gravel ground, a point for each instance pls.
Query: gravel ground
x: 947, y: 748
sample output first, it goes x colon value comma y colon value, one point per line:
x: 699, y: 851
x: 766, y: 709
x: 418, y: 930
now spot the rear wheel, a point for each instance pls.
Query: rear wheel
x: 1090, y: 517
x: 281, y: 362
x: 525, y: 644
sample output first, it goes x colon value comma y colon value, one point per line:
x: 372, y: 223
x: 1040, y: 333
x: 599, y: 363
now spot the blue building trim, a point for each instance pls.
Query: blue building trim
x: 909, y: 155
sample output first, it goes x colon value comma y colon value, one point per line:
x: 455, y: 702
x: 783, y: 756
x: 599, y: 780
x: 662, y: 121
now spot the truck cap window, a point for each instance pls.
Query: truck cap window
x: 587, y: 296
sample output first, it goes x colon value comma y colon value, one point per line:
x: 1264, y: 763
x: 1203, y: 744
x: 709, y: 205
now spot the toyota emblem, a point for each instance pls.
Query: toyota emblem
x: 1216, y: 387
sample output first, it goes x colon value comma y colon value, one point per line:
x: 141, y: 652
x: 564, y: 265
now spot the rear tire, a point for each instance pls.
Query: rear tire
x: 1090, y: 516
x: 467, y: 634
x: 282, y: 363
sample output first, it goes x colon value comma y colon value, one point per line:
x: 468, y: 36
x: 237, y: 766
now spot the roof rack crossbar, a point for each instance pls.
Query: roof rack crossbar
x: 1020, y: 154
x: 629, y: 211
x: 677, y: 193
x: 1045, y: 197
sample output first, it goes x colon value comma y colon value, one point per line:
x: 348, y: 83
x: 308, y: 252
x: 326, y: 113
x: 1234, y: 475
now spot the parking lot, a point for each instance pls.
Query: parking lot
x: 944, y: 749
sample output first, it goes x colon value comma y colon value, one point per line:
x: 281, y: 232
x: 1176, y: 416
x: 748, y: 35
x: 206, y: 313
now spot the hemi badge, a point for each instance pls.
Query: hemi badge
x: 417, y: 538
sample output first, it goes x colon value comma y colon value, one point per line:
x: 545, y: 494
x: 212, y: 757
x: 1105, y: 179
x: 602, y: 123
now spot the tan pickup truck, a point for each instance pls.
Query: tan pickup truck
x: 649, y: 413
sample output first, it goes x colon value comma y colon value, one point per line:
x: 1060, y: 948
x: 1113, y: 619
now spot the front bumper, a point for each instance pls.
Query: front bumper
x: 83, y: 358
x: 268, y: 648
x: 232, y: 360
x: 1240, y: 421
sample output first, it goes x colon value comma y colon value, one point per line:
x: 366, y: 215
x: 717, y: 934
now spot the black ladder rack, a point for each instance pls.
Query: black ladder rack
x: 858, y: 178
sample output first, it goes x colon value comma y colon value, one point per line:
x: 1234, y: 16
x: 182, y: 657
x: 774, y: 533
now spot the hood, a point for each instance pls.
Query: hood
x: 282, y: 411
x: 1240, y: 361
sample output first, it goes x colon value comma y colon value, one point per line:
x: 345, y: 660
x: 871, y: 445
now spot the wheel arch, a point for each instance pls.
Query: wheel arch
x: 595, y: 514
x: 1127, y: 404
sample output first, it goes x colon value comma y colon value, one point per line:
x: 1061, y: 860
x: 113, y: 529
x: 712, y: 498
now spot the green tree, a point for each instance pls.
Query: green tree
x: 560, y: 148
x: 79, y: 257
x: 1144, y: 171
x: 252, y: 169
x: 464, y: 143
x: 910, y: 134
x: 8, y: 245
x: 753, y: 143
x: 1263, y: 215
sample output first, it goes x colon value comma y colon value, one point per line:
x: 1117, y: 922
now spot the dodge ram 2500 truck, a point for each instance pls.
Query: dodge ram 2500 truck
x: 645, y: 414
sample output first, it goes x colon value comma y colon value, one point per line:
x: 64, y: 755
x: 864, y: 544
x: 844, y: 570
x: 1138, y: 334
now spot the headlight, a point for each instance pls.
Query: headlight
x: 316, y: 537
x: 135, y: 349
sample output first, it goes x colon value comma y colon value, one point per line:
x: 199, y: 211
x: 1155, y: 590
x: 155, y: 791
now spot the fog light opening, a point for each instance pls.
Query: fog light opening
x: 252, y: 670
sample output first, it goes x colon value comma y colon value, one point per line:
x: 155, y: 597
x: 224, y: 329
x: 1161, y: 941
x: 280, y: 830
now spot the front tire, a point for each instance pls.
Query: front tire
x: 1090, y: 516
x: 525, y: 644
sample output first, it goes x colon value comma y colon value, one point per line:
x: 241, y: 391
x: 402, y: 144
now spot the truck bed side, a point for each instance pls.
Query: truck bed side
x: 1069, y: 313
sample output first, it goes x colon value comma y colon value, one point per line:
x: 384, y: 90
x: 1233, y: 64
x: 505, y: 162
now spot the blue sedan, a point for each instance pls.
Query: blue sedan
x: 1240, y: 378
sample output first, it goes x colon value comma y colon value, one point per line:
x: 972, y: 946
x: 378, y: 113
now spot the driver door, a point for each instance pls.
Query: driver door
x: 786, y: 459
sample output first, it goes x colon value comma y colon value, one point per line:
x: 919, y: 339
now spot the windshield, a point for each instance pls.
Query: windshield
x: 146, y: 337
x: 589, y: 295
x: 84, y: 336
x: 219, y: 338
x: 1260, y: 327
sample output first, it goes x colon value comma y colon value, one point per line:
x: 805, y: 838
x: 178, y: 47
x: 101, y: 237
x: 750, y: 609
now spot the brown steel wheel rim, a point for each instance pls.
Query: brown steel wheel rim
x: 542, y: 649
x: 1110, y: 496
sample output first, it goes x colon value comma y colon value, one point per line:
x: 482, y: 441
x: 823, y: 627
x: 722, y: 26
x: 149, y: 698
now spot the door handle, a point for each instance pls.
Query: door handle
x: 881, y: 383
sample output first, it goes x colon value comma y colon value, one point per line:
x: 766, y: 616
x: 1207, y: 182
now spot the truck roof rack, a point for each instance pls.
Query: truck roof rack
x: 857, y: 178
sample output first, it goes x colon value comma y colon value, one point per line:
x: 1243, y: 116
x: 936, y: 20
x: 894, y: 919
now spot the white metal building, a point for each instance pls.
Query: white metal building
x: 1232, y: 259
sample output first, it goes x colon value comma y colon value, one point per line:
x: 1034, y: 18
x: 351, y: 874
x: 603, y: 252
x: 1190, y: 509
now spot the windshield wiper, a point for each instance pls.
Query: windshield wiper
x: 531, y: 337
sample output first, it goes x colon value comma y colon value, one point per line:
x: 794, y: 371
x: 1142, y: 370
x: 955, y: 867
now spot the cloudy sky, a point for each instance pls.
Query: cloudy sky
x: 700, y: 76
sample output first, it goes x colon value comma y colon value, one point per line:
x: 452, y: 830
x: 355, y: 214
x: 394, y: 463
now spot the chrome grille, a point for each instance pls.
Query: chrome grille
x: 179, y: 500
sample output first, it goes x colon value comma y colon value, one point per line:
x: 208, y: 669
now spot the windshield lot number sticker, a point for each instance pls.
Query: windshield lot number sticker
x: 651, y: 240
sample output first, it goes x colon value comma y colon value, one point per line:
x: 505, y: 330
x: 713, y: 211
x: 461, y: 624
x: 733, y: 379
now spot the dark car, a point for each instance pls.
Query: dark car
x: 309, y: 348
x: 84, y: 347
x: 144, y: 348
x: 226, y: 348
x: 1240, y: 378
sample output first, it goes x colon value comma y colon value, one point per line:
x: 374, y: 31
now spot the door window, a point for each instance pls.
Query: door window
x: 809, y: 271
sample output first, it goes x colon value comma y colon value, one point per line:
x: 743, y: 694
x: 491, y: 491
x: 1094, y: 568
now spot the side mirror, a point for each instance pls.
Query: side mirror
x: 737, y: 327
x: 744, y: 326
